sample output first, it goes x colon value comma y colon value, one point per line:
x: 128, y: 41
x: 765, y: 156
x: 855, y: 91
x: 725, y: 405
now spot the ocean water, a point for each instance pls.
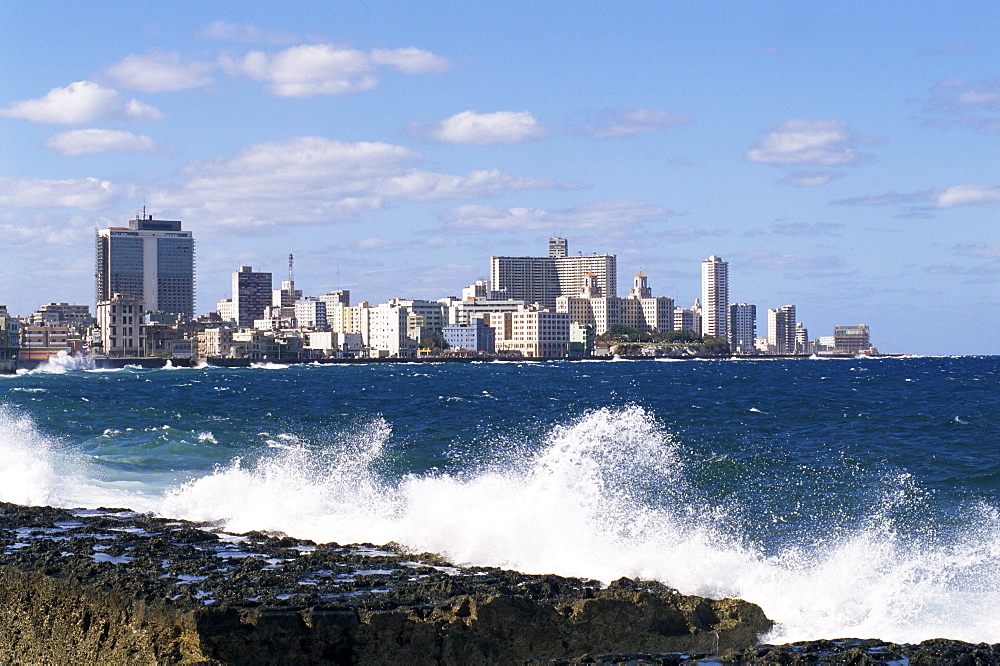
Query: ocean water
x: 849, y: 498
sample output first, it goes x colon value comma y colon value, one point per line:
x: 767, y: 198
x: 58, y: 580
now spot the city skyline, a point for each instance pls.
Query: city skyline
x: 842, y: 158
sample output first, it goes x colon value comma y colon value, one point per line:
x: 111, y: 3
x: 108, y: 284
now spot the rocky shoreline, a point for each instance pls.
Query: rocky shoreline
x: 112, y: 586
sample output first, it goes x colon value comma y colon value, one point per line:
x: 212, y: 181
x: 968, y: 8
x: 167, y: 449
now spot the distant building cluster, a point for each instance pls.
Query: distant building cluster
x: 552, y: 306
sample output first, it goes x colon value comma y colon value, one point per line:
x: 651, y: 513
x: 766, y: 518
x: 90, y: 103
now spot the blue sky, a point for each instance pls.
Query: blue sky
x: 841, y: 156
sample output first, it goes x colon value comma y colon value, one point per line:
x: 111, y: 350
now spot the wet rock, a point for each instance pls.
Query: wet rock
x: 112, y: 586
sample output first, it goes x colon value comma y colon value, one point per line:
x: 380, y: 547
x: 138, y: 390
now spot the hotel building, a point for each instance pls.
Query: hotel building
x: 544, y: 279
x: 151, y: 261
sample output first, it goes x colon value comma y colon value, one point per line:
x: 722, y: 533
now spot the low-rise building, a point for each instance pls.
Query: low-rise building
x: 532, y: 332
x: 9, y: 334
x: 121, y: 323
x: 476, y: 336
x: 77, y: 317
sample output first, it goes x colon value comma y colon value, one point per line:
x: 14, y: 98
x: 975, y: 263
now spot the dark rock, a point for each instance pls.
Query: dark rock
x: 112, y: 586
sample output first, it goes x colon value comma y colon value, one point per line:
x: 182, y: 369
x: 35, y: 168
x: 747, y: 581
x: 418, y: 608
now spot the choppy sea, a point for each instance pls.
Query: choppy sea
x: 848, y: 498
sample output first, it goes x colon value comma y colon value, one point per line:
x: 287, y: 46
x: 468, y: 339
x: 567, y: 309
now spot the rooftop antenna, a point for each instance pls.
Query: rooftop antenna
x: 291, y: 263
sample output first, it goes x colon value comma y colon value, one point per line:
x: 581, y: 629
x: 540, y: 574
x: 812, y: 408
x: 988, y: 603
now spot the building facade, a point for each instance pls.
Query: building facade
x: 851, y: 339
x: 121, y: 322
x: 742, y: 328
x: 251, y: 295
x: 543, y: 279
x: 640, y: 310
x: 715, y: 297
x: 151, y: 261
x: 781, y: 329
x: 475, y: 336
x: 532, y: 332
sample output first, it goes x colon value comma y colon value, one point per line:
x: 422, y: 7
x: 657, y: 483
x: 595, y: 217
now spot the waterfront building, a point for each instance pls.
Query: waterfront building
x: 851, y: 339
x: 640, y: 310
x: 251, y: 295
x: 56, y: 314
x: 715, y: 297
x: 543, y: 279
x: 802, y: 344
x: 581, y: 339
x: 385, y: 330
x: 121, y: 324
x: 151, y: 261
x: 9, y: 334
x: 781, y: 329
x: 40, y: 343
x: 474, y: 336
x: 331, y: 344
x: 426, y: 318
x: 742, y: 328
x: 532, y: 332
x: 310, y: 312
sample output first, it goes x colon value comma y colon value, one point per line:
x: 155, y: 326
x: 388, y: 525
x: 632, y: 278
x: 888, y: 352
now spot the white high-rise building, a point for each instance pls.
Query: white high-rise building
x: 715, y: 297
x: 781, y: 329
x: 742, y: 328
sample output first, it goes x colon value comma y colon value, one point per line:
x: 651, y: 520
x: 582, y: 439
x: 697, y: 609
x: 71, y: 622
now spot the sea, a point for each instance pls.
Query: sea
x: 853, y: 497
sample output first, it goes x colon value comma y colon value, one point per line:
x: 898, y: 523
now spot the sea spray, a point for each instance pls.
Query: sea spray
x: 870, y: 512
x: 605, y: 497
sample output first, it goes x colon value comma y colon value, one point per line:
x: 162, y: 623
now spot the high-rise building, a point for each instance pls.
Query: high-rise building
x: 149, y: 260
x: 781, y: 329
x: 742, y: 327
x: 715, y: 297
x: 543, y: 279
x: 852, y: 339
x: 251, y: 295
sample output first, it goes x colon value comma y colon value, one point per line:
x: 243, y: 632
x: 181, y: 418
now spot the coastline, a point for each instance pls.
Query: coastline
x: 110, y: 585
x: 12, y: 366
x: 113, y: 586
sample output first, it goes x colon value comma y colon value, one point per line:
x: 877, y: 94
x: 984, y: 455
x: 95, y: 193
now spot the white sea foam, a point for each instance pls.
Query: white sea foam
x: 591, y: 503
x: 61, y: 363
x: 38, y: 470
x: 602, y: 497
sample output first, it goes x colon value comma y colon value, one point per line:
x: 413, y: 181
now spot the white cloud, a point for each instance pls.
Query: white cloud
x: 411, y: 60
x: 811, y: 178
x: 634, y: 121
x: 979, y: 250
x: 80, y: 102
x: 314, y: 180
x: 92, y: 141
x: 888, y: 199
x: 969, y: 195
x: 245, y: 32
x: 85, y: 193
x: 819, y: 142
x: 469, y: 127
x: 159, y: 71
x: 805, y: 229
x: 598, y: 215
x: 769, y: 260
x: 326, y: 69
x: 960, y: 102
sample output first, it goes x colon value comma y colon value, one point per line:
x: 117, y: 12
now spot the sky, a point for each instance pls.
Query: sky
x: 843, y: 157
